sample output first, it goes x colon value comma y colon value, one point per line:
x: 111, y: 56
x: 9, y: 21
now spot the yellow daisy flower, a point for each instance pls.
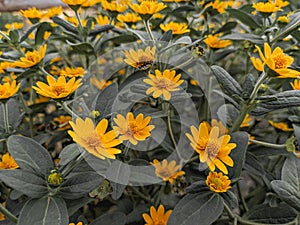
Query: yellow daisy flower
x: 102, y: 20
x: 163, y: 83
x: 129, y: 18
x: 213, y: 148
x: 31, y: 58
x: 280, y: 125
x: 217, y: 182
x: 133, y: 129
x: 140, y: 59
x: 277, y: 61
x: 158, y: 217
x: 54, y: 11
x: 96, y: 141
x: 8, y: 89
x: 283, y: 19
x: 63, y: 122
x: 177, y: 28
x: 32, y: 13
x: 90, y: 3
x: 167, y: 171
x: 296, y: 84
x: 14, y: 26
x: 214, y: 42
x: 100, y: 84
x: 147, y: 8
x: 57, y: 89
x: 113, y: 6
x: 8, y: 162
x: 4, y: 65
x: 222, y: 6
x: 72, y: 72
x: 74, y: 2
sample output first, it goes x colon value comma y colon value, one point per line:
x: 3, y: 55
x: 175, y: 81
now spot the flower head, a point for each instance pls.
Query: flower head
x: 8, y: 162
x: 96, y: 141
x: 177, y: 28
x: 8, y: 89
x: 214, y: 42
x: 129, y: 18
x: 163, y: 83
x: 53, y: 12
x: 32, y: 13
x: 133, y: 129
x: 217, y: 182
x: 140, y: 59
x: 147, y: 8
x: 158, y: 217
x: 280, y: 125
x: 63, y: 122
x: 296, y: 84
x: 246, y: 122
x: 221, y: 6
x: 14, y: 26
x: 100, y: 84
x: 276, y: 60
x: 74, y: 2
x: 167, y: 171
x: 213, y: 148
x: 72, y: 72
x: 57, y: 89
x: 113, y: 6
x: 102, y: 20
x: 4, y: 65
x: 31, y: 58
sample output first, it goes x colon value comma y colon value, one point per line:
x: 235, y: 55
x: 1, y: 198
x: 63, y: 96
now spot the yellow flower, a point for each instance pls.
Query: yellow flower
x: 158, y: 217
x: 296, y: 84
x: 9, y: 78
x: 276, y: 61
x: 281, y: 3
x: 96, y: 141
x: 63, y: 122
x: 177, y: 28
x: 31, y: 58
x: 32, y: 13
x: 147, y: 7
x: 175, y: 1
x: 158, y: 16
x: 246, y: 121
x: 280, y: 125
x: 283, y: 19
x: 140, y: 59
x: 4, y: 65
x: 194, y: 82
x: 47, y: 34
x: 133, y: 129
x: 53, y: 12
x: 113, y: 6
x: 8, y: 89
x: 102, y: 20
x: 167, y: 171
x: 213, y: 148
x: 90, y: 3
x: 217, y: 182
x: 74, y: 2
x: 56, y: 89
x: 79, y: 223
x: 214, y: 42
x: 8, y: 162
x: 163, y: 83
x: 55, y: 178
x: 14, y: 26
x: 222, y: 128
x: 129, y: 18
x: 221, y: 6
x: 2, y: 217
x: 72, y: 72
x: 100, y: 84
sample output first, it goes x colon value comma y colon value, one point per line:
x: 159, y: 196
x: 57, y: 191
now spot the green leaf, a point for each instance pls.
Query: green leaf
x: 238, y: 154
x: 44, y: 211
x: 100, y: 29
x: 80, y: 184
x: 116, y: 218
x: 14, y: 36
x: 228, y: 113
x: 195, y: 207
x: 184, y: 8
x: 167, y: 36
x: 39, y: 36
x: 30, y: 155
x: 120, y: 39
x: 29, y: 31
x: 69, y: 153
x: 65, y: 24
x: 14, y: 114
x: 118, y: 172
x: 244, y: 17
x: 82, y: 48
x: 24, y: 182
x: 287, y: 193
x: 291, y: 172
x: 289, y: 28
x: 226, y: 80
x: 226, y: 28
x: 230, y: 199
x: 74, y: 204
x: 242, y: 37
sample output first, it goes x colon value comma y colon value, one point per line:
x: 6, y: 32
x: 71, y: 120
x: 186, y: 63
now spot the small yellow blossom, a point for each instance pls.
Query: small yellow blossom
x: 246, y: 122
x: 283, y: 19
x: 217, y: 182
x: 133, y: 129
x: 32, y: 13
x: 158, y: 217
x: 14, y: 26
x: 31, y: 58
x: 54, y: 11
x: 8, y: 162
x: 74, y: 2
x: 8, y: 89
x: 296, y: 84
x: 147, y: 8
x: 280, y: 125
x: 214, y: 42
x: 177, y: 28
x: 100, y: 84
x: 129, y: 18
x: 63, y: 122
x: 167, y: 171
x: 113, y: 6
x: 102, y: 20
x: 221, y: 6
x: 163, y: 83
x: 140, y: 59
x: 72, y: 72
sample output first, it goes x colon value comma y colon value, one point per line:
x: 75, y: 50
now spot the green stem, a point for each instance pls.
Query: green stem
x: 68, y: 110
x: 5, y: 117
x: 183, y: 64
x: 170, y: 126
x: 73, y: 164
x: 8, y: 214
x: 42, y: 69
x: 79, y: 22
x: 241, y: 196
x: 270, y: 145
x: 147, y: 25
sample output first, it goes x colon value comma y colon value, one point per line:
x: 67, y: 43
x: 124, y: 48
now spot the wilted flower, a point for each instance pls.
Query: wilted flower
x: 158, y: 217
x: 217, y: 182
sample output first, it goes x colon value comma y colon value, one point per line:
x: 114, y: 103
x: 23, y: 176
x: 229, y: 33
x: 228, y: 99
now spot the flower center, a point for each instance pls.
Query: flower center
x: 280, y: 61
x: 216, y: 182
x: 165, y: 173
x: 93, y: 141
x: 212, y: 149
x: 144, y: 62
x: 59, y: 89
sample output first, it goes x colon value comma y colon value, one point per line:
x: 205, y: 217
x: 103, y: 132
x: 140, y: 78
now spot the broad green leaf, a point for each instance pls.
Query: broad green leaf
x: 29, y: 31
x: 226, y: 80
x: 30, y: 155
x: 287, y: 193
x: 69, y: 153
x: 25, y: 182
x: 242, y: 37
x: 228, y: 113
x: 100, y: 29
x: 118, y: 172
x: 39, y: 36
x: 116, y: 218
x: 195, y: 207
x: 226, y: 28
x: 123, y: 38
x: 291, y: 172
x: 14, y: 36
x: 167, y: 36
x: 65, y: 24
x: 238, y: 154
x: 230, y: 199
x: 44, y: 211
x: 82, y: 48
x: 244, y: 17
x: 74, y: 204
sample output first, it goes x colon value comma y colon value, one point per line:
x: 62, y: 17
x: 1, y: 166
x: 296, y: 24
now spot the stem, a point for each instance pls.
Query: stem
x: 270, y: 145
x: 261, y: 79
x: 241, y: 196
x: 5, y: 117
x: 79, y: 22
x: 170, y: 126
x: 73, y: 164
x: 8, y: 214
x: 68, y: 110
x: 147, y: 25
x: 183, y: 64
x: 44, y: 71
